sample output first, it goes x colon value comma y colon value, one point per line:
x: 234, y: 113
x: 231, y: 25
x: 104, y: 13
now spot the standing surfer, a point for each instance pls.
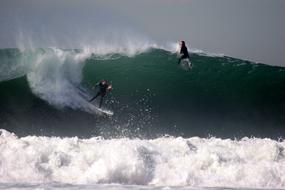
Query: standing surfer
x: 104, y: 87
x: 184, y: 55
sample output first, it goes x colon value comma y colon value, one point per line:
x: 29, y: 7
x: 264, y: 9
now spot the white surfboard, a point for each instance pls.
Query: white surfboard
x: 106, y: 112
x: 186, y: 64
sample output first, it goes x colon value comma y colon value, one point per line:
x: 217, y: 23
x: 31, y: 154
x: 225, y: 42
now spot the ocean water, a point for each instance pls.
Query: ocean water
x: 219, y: 125
x: 45, y: 92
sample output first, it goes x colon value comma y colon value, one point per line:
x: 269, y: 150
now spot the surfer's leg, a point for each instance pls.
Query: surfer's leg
x: 95, y: 97
x: 189, y: 64
x: 179, y: 60
x: 102, y: 96
x: 101, y: 101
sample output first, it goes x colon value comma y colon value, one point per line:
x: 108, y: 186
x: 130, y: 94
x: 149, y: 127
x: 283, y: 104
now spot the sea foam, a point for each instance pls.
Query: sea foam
x: 165, y: 161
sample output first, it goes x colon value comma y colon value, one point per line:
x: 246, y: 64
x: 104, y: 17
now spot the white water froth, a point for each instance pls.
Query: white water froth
x: 165, y: 161
x: 54, y: 75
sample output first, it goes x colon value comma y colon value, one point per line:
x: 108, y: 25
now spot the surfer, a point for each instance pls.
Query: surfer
x: 104, y: 87
x: 184, y: 54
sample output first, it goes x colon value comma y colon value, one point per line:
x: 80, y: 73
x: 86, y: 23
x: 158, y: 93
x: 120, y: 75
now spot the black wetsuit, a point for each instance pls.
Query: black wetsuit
x: 102, y: 91
x: 184, y: 53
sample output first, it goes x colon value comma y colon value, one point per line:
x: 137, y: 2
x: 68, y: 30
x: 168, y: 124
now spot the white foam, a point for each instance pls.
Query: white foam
x: 213, y: 162
x: 54, y: 75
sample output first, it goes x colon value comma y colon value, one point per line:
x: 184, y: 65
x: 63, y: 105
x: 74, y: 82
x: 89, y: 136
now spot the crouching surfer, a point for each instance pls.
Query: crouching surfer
x: 184, y: 55
x: 104, y: 87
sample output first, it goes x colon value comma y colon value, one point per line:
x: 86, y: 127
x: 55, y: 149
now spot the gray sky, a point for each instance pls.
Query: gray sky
x: 248, y: 29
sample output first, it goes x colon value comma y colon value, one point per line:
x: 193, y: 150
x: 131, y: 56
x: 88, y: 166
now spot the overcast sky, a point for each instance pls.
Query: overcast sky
x: 248, y: 29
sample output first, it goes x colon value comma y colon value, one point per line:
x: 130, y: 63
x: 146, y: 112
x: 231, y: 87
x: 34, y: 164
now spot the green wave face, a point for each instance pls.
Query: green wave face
x: 218, y: 96
x: 153, y: 96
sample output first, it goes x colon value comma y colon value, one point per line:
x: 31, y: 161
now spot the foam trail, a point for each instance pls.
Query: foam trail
x: 213, y: 162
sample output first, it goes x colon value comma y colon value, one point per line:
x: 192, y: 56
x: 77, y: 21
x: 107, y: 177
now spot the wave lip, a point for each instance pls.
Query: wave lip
x: 54, y: 74
x: 166, y: 161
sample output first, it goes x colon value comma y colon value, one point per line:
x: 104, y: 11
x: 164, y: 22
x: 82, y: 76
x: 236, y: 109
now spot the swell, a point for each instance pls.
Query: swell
x: 219, y: 96
x: 152, y: 95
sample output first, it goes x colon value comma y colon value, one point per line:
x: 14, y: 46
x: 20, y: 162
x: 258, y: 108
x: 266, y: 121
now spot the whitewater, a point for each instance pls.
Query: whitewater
x: 173, y: 162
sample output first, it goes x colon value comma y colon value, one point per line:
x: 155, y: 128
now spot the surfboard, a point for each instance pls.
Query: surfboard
x: 106, y: 112
x: 186, y: 64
